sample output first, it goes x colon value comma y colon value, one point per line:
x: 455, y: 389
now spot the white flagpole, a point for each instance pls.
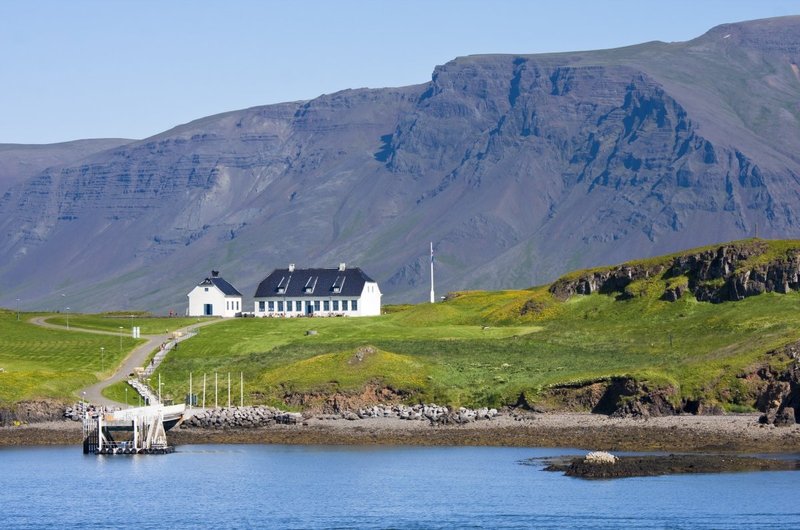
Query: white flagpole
x: 433, y: 298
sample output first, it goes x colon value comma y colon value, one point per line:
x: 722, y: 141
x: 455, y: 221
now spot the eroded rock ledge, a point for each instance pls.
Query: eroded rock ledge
x: 729, y: 273
x: 31, y: 411
x: 772, y: 387
x: 649, y: 466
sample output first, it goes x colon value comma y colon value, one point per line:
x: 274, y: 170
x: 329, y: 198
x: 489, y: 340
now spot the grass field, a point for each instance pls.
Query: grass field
x: 478, y: 350
x: 45, y: 363
x: 122, y: 392
x: 114, y: 321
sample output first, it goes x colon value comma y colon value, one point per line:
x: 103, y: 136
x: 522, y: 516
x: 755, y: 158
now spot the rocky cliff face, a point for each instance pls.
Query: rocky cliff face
x: 21, y: 162
x: 518, y: 168
x: 727, y: 273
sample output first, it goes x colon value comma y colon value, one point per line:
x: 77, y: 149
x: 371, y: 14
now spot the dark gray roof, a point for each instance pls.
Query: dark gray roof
x: 313, y: 283
x: 226, y: 288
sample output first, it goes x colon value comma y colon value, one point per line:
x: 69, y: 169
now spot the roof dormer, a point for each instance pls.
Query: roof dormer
x: 338, y: 284
x: 310, y: 284
x: 283, y: 284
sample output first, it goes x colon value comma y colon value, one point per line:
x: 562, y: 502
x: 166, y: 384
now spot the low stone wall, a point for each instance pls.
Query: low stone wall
x: 241, y: 417
x: 432, y: 413
x: 262, y: 416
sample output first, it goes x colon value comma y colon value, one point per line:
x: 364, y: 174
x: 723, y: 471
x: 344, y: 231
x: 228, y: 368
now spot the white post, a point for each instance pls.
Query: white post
x: 433, y: 298
x: 136, y: 432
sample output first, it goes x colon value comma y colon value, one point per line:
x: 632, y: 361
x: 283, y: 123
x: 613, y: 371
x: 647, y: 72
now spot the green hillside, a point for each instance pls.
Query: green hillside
x: 443, y: 353
x: 475, y: 348
x: 488, y: 348
x: 50, y: 363
x: 39, y: 363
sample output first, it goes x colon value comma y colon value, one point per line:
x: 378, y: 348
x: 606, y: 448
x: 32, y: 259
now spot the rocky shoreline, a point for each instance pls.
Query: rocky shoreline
x: 683, y: 433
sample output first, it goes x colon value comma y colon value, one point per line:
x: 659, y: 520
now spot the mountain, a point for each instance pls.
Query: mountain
x: 517, y: 167
x: 19, y: 162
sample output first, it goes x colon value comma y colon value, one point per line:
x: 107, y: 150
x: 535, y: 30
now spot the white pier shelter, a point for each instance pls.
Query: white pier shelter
x: 145, y: 430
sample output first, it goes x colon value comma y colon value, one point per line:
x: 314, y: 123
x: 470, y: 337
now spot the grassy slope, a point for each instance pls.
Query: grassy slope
x: 44, y: 363
x: 443, y: 353
x: 474, y: 349
x: 113, y: 322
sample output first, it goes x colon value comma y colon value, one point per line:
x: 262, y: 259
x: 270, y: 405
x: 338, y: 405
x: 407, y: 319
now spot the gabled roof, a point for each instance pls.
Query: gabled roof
x: 312, y: 283
x: 226, y: 288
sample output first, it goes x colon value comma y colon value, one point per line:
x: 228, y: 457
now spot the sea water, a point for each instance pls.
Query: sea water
x: 274, y: 486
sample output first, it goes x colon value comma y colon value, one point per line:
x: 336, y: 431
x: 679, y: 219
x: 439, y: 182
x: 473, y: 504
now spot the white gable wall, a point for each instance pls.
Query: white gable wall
x: 221, y: 305
x: 370, y: 303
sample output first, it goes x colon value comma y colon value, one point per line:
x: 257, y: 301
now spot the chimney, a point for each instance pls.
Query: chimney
x: 214, y: 274
x: 341, y: 267
x: 291, y: 267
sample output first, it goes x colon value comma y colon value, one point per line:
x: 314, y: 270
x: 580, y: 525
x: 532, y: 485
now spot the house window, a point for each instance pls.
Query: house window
x: 336, y: 305
x: 344, y: 305
x: 271, y: 305
x: 316, y: 305
x: 280, y: 305
x: 206, y: 289
x: 261, y: 305
x: 354, y: 305
x: 228, y: 305
x: 298, y: 306
x: 326, y: 305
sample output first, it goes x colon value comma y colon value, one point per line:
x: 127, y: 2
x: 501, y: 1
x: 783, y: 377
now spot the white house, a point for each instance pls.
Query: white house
x: 318, y: 292
x: 214, y: 297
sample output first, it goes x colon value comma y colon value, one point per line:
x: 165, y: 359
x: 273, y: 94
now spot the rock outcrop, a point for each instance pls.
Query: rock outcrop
x: 727, y: 273
x: 616, y: 397
x: 779, y: 395
x: 34, y: 411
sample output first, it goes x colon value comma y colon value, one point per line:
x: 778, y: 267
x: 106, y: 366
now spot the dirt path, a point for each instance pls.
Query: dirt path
x: 135, y: 358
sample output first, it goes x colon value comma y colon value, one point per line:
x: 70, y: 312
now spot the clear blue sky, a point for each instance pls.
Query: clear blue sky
x: 123, y: 68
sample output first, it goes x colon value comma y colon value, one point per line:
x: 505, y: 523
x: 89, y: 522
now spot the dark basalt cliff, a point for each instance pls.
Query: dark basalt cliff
x: 728, y: 273
x: 517, y: 167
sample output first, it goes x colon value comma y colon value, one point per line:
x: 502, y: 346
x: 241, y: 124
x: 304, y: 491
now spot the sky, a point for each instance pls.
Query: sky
x: 131, y: 69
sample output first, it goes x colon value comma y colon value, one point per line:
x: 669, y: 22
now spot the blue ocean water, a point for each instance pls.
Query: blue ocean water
x: 273, y: 486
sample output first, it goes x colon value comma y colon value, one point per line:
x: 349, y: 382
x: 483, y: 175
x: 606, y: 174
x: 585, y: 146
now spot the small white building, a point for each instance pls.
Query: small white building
x: 214, y: 297
x: 318, y: 292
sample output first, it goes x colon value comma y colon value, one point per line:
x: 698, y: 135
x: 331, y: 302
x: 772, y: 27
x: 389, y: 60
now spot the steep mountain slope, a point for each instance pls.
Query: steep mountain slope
x: 517, y: 167
x: 19, y: 162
